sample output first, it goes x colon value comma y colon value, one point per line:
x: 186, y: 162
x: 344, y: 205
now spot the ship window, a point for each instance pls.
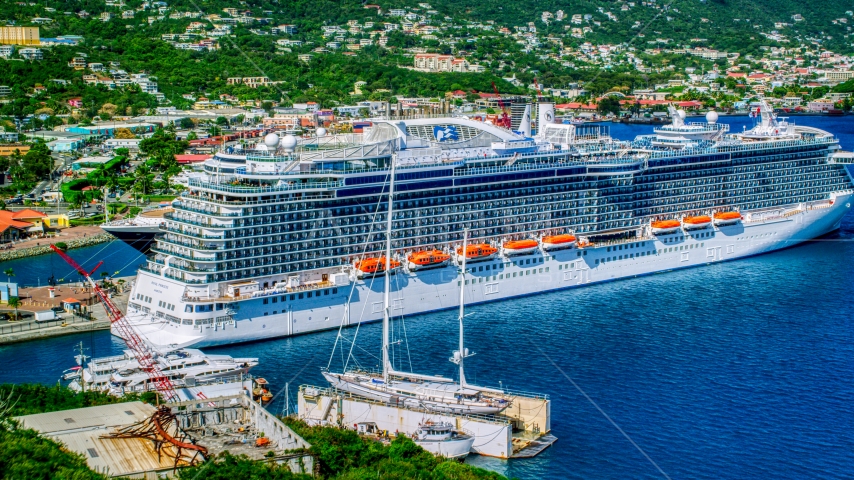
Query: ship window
x: 266, y: 301
x: 597, y: 261
x: 219, y: 306
x: 514, y: 274
x: 308, y: 294
x: 275, y: 299
x: 334, y: 291
x: 326, y: 292
x: 300, y: 296
x: 265, y: 314
x: 188, y: 309
x: 293, y: 297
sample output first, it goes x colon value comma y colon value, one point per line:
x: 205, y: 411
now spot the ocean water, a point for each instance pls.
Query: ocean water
x: 735, y: 370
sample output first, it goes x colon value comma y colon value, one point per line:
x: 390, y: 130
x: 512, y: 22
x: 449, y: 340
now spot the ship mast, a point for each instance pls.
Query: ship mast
x: 386, y: 302
x: 462, y: 351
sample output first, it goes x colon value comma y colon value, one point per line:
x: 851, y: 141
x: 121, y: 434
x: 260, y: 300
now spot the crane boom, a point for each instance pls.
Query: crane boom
x: 143, y: 352
x: 504, y: 119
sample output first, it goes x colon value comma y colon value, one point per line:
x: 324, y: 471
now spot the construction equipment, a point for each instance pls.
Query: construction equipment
x: 504, y: 119
x: 143, y: 352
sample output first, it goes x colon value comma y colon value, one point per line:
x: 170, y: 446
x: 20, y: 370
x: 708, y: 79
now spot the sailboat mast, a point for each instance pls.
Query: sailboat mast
x: 463, y: 307
x: 386, y: 301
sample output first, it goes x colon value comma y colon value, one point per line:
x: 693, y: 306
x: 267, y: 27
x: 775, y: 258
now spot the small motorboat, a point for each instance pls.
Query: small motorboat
x: 662, y: 227
x: 727, y: 218
x: 374, y: 266
x: 428, y: 259
x: 440, y: 439
x: 558, y: 242
x: 477, y: 252
x: 520, y: 247
x: 72, y: 373
x: 696, y: 223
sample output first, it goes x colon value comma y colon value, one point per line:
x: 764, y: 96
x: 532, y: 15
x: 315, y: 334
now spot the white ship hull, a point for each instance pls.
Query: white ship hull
x: 437, y: 289
x: 455, y: 448
x: 377, y: 394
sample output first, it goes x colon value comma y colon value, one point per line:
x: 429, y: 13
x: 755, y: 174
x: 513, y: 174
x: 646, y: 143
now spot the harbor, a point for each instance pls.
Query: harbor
x: 618, y: 350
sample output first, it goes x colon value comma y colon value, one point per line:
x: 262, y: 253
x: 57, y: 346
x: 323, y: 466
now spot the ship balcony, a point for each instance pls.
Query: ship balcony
x: 210, y: 210
x: 220, y: 236
x: 195, y: 221
x: 239, y: 186
x: 164, y: 252
x: 171, y: 239
x: 250, y: 202
x: 157, y: 270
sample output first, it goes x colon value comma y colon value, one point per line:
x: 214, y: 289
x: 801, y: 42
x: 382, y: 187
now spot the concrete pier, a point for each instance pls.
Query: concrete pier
x: 501, y: 436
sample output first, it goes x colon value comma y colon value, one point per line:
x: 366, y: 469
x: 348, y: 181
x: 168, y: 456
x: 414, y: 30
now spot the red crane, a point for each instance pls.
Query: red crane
x: 539, y: 92
x: 504, y: 119
x: 143, y: 352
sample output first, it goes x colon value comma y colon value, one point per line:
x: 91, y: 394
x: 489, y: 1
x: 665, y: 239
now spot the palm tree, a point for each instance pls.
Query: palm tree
x: 10, y: 272
x: 143, y: 182
x: 15, y: 302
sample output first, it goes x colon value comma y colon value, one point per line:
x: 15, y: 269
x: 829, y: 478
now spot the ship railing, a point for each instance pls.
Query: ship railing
x: 194, y: 235
x: 261, y: 294
x: 175, y: 218
x: 212, y: 212
x: 311, y: 391
x: 289, y: 186
x: 250, y: 202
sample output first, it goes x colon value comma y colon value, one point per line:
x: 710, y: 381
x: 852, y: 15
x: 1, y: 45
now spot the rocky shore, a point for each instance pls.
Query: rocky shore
x: 43, y: 249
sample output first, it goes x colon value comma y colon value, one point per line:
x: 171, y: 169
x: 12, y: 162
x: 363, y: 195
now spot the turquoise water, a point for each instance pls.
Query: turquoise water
x: 735, y: 370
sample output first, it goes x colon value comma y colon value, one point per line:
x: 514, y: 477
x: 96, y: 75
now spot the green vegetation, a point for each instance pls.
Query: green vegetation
x: 27, y: 169
x: 96, y: 220
x: 345, y: 454
x: 61, y: 245
x: 32, y: 398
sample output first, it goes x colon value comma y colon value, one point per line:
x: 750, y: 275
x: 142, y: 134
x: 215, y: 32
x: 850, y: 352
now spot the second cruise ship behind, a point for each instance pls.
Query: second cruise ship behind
x: 291, y: 240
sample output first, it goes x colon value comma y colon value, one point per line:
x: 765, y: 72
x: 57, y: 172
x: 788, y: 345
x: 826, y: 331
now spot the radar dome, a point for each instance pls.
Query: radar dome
x: 712, y: 116
x: 321, y: 132
x: 289, y: 143
x: 681, y: 114
x: 271, y: 140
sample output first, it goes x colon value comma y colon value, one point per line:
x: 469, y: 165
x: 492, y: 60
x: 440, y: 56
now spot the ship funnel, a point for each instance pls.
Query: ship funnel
x: 525, y: 124
x: 546, y: 115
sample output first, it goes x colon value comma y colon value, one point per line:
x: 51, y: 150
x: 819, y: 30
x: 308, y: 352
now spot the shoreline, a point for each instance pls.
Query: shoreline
x: 45, y: 249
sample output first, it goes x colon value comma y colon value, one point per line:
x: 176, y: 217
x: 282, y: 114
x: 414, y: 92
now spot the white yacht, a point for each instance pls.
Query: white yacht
x: 139, y: 231
x: 443, y: 440
x: 186, y: 367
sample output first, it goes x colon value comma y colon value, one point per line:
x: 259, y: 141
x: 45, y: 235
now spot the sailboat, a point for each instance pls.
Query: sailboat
x: 414, y: 390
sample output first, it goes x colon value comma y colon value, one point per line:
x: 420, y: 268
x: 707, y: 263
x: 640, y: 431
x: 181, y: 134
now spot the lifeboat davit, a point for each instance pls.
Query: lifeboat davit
x: 428, y: 259
x: 477, y: 252
x: 373, y: 266
x: 520, y: 247
x: 727, y: 218
x: 661, y: 227
x: 557, y: 242
x: 696, y: 223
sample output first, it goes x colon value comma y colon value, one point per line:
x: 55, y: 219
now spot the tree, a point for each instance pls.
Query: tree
x: 15, y: 302
x: 608, y: 105
x: 186, y: 123
x: 124, y: 133
x: 10, y: 272
x: 192, y: 136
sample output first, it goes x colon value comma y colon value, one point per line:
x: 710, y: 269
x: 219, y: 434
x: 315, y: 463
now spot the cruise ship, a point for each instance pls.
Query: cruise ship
x: 291, y: 240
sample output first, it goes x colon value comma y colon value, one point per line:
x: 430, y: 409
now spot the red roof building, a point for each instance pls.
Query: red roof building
x: 184, y: 159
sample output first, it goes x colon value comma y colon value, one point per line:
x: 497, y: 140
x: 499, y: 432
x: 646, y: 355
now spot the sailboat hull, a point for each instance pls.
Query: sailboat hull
x: 381, y: 393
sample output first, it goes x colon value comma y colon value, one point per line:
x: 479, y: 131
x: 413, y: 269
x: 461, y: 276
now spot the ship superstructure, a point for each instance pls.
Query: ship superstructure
x: 291, y: 240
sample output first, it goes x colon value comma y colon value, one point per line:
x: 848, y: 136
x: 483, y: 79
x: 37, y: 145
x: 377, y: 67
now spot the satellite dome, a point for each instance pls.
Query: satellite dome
x: 271, y: 140
x: 321, y: 132
x: 681, y: 114
x: 289, y: 143
x: 712, y: 116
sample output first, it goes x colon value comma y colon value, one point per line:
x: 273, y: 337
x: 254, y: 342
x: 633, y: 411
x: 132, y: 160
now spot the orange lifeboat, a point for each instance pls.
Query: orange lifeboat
x: 477, y: 252
x: 428, y: 259
x: 520, y: 247
x: 696, y: 223
x: 661, y: 227
x: 557, y: 242
x: 373, y: 266
x: 727, y: 218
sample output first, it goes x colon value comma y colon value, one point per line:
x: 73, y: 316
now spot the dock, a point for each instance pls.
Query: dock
x: 521, y: 429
